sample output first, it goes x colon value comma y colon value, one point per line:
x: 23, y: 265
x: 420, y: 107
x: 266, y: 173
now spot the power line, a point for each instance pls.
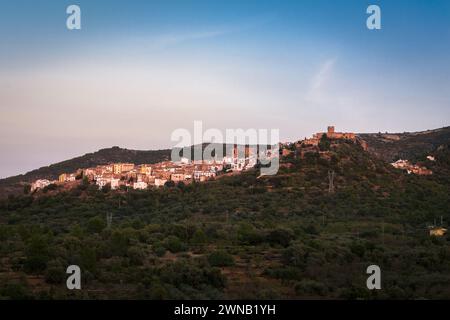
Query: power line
x: 109, y: 216
x: 331, y: 175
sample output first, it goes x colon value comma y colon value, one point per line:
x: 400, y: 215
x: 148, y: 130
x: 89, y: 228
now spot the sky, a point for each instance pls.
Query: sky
x: 138, y: 70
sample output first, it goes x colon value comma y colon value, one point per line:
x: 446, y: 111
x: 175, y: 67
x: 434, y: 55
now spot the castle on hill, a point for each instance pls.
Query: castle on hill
x: 331, y: 134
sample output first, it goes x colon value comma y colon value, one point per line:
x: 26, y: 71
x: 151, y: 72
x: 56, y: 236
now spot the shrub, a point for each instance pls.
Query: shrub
x: 310, y: 287
x: 136, y: 256
x: 280, y: 236
x: 159, y: 250
x: 14, y: 291
x: 174, y: 244
x: 55, y: 274
x: 220, y: 259
x: 96, y: 225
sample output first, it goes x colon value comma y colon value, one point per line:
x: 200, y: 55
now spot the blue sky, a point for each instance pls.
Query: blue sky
x: 138, y: 70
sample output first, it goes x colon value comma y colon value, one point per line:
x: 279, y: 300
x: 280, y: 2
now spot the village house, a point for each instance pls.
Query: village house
x: 401, y: 164
x: 106, y: 169
x: 62, y: 178
x: 176, y: 177
x: 201, y: 175
x: 102, y: 182
x: 122, y: 167
x: 145, y: 169
x: 39, y: 184
x: 150, y: 180
x: 89, y: 174
x: 411, y: 168
x: 140, y: 185
x: 114, y: 183
x: 66, y: 177
x: 438, y: 231
x: 160, y: 182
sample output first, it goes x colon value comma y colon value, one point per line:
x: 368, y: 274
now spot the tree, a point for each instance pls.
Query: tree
x: 26, y: 189
x: 181, y: 185
x: 280, y: 236
x: 169, y: 184
x: 107, y: 188
x: 96, y: 225
x: 324, y: 143
x: 174, y: 244
x: 199, y: 237
x: 220, y: 259
x: 37, y: 254
x: 55, y: 272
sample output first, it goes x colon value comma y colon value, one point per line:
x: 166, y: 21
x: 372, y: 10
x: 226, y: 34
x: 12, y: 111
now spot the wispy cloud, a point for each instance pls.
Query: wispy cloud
x: 316, y: 91
x: 323, y: 74
x: 163, y: 41
x: 168, y: 40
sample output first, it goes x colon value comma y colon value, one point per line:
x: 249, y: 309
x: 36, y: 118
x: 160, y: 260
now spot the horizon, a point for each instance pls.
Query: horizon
x: 136, y: 72
x: 205, y: 142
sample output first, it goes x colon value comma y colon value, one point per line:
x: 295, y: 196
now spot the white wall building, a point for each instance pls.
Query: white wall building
x: 101, y: 182
x: 160, y: 182
x: 140, y: 185
x: 114, y: 184
x: 39, y: 184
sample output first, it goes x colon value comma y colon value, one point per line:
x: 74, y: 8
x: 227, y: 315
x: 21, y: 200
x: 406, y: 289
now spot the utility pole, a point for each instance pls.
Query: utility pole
x: 109, y: 219
x: 331, y: 175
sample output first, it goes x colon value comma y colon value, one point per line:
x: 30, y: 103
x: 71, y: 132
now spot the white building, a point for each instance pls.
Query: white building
x: 140, y: 185
x: 401, y: 164
x: 114, y: 184
x: 198, y: 174
x: 185, y: 160
x: 160, y: 182
x: 227, y: 160
x: 39, y: 184
x: 101, y: 182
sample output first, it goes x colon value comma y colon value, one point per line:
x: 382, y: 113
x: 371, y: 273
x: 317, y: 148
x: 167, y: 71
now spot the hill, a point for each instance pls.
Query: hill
x: 103, y: 156
x: 282, y: 236
x: 408, y: 145
x: 15, y: 184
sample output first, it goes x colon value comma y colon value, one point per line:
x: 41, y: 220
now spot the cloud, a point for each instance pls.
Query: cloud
x: 316, y: 92
x: 323, y: 74
x: 168, y: 40
x: 163, y: 41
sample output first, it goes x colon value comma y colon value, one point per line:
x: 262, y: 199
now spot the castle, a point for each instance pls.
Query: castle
x: 331, y: 134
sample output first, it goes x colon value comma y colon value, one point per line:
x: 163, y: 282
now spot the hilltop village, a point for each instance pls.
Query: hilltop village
x: 143, y: 176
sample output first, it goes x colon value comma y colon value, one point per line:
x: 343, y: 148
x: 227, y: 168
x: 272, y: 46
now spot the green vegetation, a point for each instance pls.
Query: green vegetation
x: 280, y: 236
x: 407, y: 145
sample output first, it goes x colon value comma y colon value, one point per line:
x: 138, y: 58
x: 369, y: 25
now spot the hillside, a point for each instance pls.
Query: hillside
x: 15, y: 184
x: 282, y: 236
x: 408, y: 145
x: 103, y: 156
